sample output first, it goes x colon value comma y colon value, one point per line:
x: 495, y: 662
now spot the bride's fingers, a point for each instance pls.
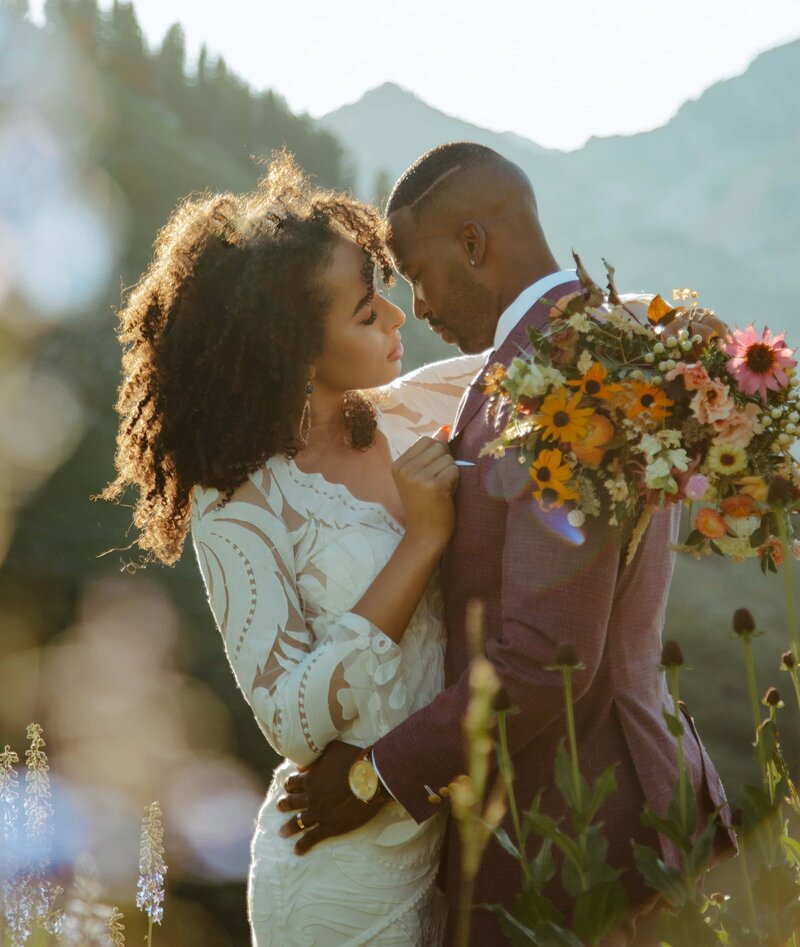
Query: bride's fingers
x: 295, y: 783
x: 302, y: 822
x: 310, y: 839
x: 292, y: 802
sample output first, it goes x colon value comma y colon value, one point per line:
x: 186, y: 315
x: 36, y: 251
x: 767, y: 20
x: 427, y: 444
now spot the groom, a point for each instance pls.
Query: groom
x: 465, y: 233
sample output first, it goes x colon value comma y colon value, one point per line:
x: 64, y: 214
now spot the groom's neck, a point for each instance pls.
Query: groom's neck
x: 523, y: 271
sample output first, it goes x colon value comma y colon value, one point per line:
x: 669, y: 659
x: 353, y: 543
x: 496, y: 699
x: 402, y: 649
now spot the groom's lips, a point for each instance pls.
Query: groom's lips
x: 442, y: 331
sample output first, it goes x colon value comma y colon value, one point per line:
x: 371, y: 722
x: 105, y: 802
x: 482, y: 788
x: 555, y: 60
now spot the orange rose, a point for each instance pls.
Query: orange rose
x: 710, y: 524
x: 590, y: 448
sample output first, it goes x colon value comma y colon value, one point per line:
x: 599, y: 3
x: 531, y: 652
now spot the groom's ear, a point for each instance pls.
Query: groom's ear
x: 472, y: 237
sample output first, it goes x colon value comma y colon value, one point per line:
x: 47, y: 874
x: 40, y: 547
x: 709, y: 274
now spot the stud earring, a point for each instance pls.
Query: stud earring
x: 472, y: 262
x: 305, y: 418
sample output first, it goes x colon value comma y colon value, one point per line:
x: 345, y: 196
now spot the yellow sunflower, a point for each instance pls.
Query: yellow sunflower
x: 727, y: 459
x: 644, y: 398
x: 550, y: 474
x: 560, y: 417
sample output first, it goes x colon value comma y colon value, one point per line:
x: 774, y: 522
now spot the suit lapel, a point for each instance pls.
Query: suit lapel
x: 472, y: 398
x: 517, y: 342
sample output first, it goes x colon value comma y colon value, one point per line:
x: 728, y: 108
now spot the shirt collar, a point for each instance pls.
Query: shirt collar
x: 525, y: 301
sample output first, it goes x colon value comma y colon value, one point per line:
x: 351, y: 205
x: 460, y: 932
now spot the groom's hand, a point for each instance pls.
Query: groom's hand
x: 701, y: 322
x: 322, y: 797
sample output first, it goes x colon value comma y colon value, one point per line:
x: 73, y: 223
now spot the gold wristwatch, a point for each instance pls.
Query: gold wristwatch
x: 363, y: 779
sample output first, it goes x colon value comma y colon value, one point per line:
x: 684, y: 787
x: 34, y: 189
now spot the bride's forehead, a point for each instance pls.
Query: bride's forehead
x: 348, y: 257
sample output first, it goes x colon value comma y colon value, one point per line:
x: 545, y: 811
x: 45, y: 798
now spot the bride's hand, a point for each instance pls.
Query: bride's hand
x: 426, y: 477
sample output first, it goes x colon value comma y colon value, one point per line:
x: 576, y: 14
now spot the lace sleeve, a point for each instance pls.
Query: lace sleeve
x: 297, y: 686
x: 423, y: 400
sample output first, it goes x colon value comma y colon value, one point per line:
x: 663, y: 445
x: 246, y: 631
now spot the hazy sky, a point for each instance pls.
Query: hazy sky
x: 556, y: 72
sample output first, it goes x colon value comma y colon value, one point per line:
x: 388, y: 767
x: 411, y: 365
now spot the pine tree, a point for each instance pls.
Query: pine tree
x: 170, y: 65
x: 125, y: 53
x: 197, y: 104
x: 82, y: 19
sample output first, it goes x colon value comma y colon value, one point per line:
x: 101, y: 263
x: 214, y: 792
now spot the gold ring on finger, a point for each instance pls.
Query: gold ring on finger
x: 300, y: 824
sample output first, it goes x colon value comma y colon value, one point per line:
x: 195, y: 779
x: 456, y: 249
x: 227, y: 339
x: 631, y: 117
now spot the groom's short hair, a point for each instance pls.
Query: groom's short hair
x: 418, y: 186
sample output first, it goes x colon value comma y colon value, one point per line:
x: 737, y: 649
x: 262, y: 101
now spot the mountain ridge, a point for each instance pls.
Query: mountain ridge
x: 710, y: 198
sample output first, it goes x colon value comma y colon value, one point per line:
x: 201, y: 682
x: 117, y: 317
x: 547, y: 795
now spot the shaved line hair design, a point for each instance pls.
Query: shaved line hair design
x: 420, y: 186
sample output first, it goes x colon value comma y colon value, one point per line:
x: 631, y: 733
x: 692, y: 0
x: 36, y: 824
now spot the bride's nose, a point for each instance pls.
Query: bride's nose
x: 395, y: 316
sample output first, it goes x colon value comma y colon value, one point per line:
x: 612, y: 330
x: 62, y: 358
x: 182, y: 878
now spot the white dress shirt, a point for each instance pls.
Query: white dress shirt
x: 511, y: 316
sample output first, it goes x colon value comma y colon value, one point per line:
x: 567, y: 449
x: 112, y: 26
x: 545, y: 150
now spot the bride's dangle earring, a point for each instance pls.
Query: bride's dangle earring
x: 304, y: 433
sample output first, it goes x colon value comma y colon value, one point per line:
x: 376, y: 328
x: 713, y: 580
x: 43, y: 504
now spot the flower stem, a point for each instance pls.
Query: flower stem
x: 751, y: 905
x: 465, y: 908
x: 566, y: 673
x: 573, y: 743
x: 793, y: 675
x: 751, y: 683
x: 507, y: 769
x: 788, y: 588
x: 150, y: 931
x: 673, y: 686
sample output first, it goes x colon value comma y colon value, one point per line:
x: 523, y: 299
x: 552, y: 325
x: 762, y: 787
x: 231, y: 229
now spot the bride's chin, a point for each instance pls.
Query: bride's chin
x: 393, y: 370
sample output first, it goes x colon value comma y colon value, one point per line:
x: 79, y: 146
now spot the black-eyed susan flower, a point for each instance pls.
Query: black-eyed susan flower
x: 551, y: 476
x: 727, y: 459
x: 561, y: 419
x: 644, y: 398
x: 593, y: 382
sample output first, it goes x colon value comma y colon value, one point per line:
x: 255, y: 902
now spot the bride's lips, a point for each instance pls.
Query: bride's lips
x: 396, y: 353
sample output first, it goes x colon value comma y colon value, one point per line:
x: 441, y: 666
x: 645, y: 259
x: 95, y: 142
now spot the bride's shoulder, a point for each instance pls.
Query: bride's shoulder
x: 264, y: 489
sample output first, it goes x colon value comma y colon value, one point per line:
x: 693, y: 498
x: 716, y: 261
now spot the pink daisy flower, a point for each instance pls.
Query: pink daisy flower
x: 758, y: 364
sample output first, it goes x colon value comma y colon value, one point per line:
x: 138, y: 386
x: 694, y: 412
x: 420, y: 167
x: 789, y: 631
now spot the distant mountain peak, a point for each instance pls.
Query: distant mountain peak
x: 388, y: 95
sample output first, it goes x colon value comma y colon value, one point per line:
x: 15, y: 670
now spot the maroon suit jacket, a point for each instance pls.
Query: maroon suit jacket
x: 544, y: 583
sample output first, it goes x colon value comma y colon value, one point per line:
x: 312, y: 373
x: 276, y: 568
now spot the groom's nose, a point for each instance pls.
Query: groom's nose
x: 421, y: 309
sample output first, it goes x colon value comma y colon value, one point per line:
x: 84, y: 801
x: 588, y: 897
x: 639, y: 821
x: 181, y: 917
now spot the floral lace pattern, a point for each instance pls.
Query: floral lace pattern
x: 284, y: 561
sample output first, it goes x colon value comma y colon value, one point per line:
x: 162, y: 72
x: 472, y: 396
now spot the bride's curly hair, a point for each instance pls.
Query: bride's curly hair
x: 218, y: 339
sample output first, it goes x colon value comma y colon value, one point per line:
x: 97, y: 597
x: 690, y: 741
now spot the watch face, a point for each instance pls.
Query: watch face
x: 363, y: 780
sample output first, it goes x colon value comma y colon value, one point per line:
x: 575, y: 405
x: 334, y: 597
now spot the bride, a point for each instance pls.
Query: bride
x: 261, y: 408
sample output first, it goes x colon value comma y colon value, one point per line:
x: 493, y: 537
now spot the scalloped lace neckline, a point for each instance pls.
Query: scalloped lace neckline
x: 315, y: 477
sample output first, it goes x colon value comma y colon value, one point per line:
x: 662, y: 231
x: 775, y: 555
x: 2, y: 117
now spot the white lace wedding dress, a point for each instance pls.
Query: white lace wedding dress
x: 284, y: 561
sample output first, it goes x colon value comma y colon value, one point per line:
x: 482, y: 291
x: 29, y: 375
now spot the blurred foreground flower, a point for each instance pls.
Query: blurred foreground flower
x: 88, y: 922
x: 39, y: 830
x: 152, y: 868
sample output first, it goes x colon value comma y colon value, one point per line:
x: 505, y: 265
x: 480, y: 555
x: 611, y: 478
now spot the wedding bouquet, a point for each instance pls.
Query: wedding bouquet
x: 608, y: 414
